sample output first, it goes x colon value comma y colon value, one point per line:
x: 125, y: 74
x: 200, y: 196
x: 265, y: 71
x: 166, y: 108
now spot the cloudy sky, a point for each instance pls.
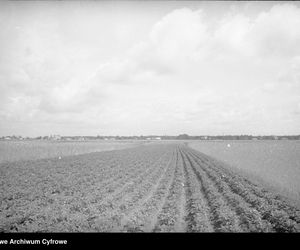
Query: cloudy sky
x: 132, y: 68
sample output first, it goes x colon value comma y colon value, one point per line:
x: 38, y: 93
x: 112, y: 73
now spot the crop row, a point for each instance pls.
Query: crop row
x: 171, y: 215
x: 198, y: 216
x: 58, y: 194
x: 144, y: 218
x: 159, y: 187
x: 254, y: 210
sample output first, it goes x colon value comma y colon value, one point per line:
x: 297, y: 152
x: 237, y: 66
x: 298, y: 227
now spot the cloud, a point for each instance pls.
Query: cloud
x: 276, y: 33
x: 115, y: 72
x: 189, y: 71
x: 171, y: 42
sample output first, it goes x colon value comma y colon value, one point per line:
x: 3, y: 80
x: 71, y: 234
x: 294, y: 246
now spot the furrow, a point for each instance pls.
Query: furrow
x: 132, y: 196
x: 144, y: 194
x: 169, y: 219
x: 198, y: 214
x: 275, y: 201
x: 110, y: 210
x: 145, y: 218
x: 250, y: 219
x: 111, y: 187
x: 272, y: 216
x: 223, y: 218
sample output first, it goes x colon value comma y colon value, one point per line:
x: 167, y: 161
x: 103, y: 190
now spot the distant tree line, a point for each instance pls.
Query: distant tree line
x: 237, y: 137
x: 159, y: 137
x: 189, y: 137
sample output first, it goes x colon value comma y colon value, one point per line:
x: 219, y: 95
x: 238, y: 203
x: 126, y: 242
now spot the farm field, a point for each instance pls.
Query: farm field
x: 276, y: 163
x: 151, y: 188
x: 33, y: 149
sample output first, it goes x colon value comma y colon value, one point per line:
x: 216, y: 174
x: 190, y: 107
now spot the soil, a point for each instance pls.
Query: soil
x: 151, y: 188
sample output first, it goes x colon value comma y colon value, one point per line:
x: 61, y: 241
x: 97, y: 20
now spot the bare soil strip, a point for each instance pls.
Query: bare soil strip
x: 153, y: 188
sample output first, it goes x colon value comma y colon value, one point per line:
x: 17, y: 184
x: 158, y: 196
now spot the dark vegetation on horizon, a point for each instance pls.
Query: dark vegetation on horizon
x: 158, y: 137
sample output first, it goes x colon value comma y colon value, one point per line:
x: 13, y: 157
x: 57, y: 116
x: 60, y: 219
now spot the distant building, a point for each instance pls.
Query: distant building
x: 153, y: 138
x: 55, y: 137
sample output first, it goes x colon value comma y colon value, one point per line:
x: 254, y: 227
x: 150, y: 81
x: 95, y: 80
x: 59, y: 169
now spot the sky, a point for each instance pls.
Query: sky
x: 149, y: 67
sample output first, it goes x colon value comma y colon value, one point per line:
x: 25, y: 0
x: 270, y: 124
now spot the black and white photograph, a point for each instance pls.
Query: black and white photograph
x: 149, y: 117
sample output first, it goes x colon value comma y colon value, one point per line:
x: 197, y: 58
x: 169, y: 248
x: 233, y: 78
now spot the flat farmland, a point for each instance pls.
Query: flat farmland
x: 273, y: 163
x: 38, y: 149
x: 150, y: 188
